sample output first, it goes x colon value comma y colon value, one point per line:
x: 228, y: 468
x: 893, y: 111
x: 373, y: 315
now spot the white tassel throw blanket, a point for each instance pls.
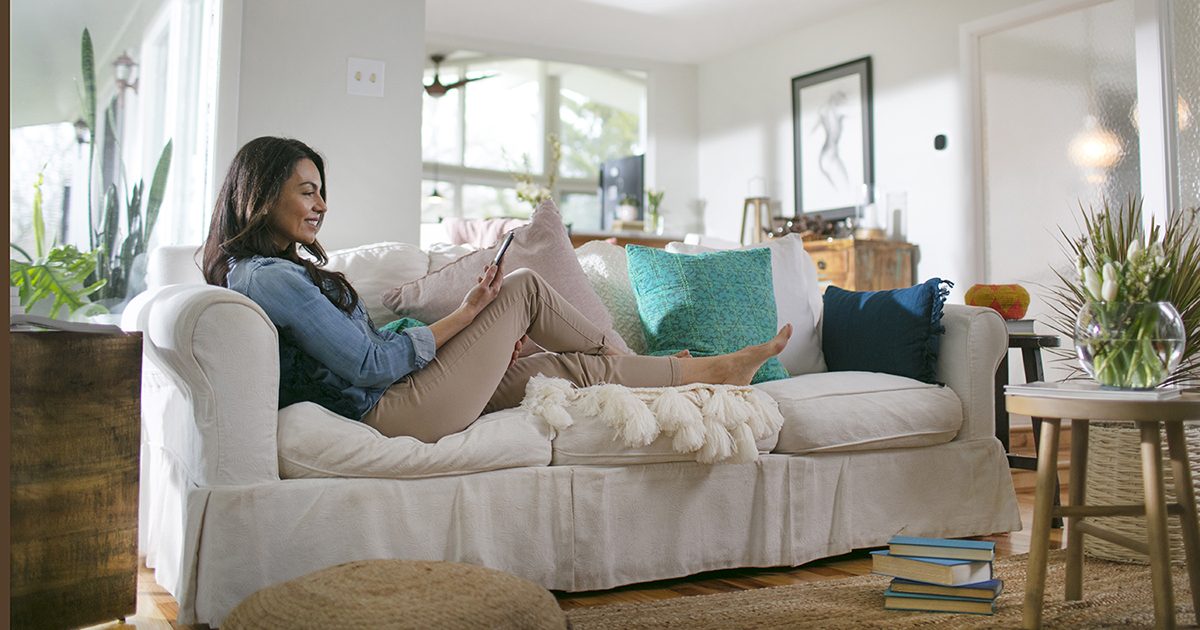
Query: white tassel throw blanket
x: 720, y: 423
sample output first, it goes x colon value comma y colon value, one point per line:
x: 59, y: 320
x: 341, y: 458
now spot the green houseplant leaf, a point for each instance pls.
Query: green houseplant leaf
x: 158, y: 187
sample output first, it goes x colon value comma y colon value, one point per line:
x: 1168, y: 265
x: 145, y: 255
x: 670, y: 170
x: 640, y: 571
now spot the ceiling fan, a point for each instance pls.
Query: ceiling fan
x: 437, y: 89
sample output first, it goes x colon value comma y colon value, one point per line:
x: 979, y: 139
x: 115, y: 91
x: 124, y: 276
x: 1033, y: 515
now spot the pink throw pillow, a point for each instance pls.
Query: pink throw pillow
x: 543, y: 246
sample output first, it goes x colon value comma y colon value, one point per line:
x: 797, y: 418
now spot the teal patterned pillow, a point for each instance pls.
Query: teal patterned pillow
x: 712, y: 303
x: 399, y: 325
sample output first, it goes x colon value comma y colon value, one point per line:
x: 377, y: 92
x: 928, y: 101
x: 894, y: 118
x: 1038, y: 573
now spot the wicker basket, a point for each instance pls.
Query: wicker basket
x: 1114, y: 477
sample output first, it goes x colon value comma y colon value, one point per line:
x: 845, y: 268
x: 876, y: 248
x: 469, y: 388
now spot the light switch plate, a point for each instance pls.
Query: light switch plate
x: 364, y: 77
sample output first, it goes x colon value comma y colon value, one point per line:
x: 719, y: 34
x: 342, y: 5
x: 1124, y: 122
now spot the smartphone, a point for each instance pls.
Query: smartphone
x: 503, y: 248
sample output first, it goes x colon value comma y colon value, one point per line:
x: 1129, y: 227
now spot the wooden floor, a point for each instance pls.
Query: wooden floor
x: 156, y: 609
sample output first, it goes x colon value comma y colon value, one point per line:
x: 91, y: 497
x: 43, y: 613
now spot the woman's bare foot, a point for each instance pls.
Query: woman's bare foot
x: 735, y: 368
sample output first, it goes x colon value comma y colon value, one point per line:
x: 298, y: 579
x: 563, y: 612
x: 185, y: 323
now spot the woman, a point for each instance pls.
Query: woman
x: 426, y: 382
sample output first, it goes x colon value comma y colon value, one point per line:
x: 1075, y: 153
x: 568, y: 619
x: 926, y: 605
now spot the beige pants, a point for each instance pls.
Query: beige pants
x: 471, y: 376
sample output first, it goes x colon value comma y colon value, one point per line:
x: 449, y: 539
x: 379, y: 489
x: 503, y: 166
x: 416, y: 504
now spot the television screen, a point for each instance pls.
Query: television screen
x: 619, y: 179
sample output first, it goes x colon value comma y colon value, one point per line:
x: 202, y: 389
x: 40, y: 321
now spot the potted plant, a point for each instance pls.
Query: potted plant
x: 120, y: 249
x: 1118, y: 262
x: 60, y: 272
x: 653, y: 220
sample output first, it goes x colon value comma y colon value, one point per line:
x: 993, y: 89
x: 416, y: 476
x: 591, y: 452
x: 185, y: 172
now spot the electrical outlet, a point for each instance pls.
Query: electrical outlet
x: 364, y: 77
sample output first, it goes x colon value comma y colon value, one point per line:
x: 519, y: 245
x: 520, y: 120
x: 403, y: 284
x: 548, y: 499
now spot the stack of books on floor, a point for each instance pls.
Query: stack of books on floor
x: 938, y: 575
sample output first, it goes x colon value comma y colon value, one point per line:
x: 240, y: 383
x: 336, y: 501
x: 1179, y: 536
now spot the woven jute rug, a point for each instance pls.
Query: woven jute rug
x: 1115, y: 595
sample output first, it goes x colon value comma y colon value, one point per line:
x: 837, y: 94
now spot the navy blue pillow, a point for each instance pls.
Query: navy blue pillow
x: 894, y: 332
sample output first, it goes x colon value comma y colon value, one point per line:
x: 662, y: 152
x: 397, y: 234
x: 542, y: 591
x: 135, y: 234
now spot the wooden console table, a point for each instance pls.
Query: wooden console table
x: 648, y: 239
x: 864, y: 265
x: 75, y: 413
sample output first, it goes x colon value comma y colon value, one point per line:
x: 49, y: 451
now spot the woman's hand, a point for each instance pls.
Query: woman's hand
x: 517, y: 349
x: 476, y: 299
x: 484, y: 292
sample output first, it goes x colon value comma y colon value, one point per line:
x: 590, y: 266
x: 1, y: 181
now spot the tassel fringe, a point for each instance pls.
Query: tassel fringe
x: 717, y: 422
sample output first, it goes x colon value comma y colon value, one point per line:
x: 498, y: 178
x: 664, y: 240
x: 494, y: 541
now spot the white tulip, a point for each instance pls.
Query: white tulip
x: 1091, y: 282
x: 1110, y: 272
x: 1109, y: 290
x: 1135, y: 248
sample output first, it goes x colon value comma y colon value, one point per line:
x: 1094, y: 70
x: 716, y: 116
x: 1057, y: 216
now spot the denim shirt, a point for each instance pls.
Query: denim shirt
x: 339, y: 361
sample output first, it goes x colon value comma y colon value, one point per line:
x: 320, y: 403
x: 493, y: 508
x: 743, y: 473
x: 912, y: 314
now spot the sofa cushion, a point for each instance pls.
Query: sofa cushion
x: 373, y: 268
x: 606, y: 270
x: 862, y: 411
x: 896, y: 332
x: 315, y: 442
x: 710, y: 304
x: 797, y: 299
x: 543, y: 246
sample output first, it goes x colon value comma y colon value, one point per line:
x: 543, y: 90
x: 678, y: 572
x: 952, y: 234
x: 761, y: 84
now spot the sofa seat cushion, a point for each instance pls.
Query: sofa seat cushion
x: 862, y: 411
x: 315, y: 442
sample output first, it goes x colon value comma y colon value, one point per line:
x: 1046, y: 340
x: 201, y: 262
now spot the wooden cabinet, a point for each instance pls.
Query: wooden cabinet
x: 75, y: 428
x: 864, y: 265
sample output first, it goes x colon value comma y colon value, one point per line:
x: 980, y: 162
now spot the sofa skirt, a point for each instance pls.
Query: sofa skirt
x: 581, y: 528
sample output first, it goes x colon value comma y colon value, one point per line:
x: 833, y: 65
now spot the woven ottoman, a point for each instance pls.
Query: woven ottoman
x: 400, y: 594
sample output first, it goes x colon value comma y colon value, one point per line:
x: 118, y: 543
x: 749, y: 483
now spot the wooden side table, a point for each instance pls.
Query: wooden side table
x: 1031, y: 358
x: 75, y: 430
x: 1148, y: 415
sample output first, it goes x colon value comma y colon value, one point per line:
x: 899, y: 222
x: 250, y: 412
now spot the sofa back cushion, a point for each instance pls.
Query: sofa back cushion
x: 374, y: 268
x: 607, y: 271
x: 797, y: 299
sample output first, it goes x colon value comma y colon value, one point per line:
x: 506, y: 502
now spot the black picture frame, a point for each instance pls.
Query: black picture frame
x: 833, y: 139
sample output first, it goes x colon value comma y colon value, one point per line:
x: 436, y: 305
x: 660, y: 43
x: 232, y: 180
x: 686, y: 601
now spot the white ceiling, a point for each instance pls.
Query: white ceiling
x: 45, y: 34
x: 680, y: 31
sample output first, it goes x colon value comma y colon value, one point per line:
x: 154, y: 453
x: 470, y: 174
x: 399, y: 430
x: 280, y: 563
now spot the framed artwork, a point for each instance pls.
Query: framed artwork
x: 831, y: 126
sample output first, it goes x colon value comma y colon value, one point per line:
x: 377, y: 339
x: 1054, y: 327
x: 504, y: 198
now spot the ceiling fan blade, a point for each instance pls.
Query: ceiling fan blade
x: 466, y: 81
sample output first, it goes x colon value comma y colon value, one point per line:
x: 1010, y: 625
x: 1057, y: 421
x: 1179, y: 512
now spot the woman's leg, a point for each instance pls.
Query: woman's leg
x: 449, y: 393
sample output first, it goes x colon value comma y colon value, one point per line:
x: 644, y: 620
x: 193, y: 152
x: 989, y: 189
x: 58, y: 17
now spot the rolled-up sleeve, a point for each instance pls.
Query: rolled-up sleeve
x: 423, y: 344
x: 345, y: 344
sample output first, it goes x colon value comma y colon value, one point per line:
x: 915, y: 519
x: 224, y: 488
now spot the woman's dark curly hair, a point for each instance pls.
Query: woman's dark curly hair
x: 240, y: 225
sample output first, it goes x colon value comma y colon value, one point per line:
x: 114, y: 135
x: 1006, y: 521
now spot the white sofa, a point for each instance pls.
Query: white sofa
x: 234, y: 496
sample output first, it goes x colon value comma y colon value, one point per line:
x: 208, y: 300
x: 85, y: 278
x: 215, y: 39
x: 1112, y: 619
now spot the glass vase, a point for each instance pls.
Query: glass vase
x: 1129, y: 345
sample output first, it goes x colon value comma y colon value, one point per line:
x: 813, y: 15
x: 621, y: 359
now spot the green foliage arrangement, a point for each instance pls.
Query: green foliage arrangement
x: 115, y: 261
x: 58, y: 272
x: 1117, y: 260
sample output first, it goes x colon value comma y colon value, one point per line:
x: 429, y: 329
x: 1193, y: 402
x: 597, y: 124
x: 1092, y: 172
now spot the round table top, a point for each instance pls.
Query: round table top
x: 1185, y: 407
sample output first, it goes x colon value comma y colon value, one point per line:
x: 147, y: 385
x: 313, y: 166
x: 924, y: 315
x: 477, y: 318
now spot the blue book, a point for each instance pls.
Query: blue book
x: 935, y: 603
x: 945, y: 571
x: 942, y: 548
x: 990, y: 589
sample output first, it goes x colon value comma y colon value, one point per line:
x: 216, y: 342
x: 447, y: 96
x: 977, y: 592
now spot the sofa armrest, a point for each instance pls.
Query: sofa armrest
x: 975, y: 341
x: 221, y: 351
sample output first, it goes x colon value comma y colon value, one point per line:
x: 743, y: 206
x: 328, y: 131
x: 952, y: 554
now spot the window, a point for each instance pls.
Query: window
x: 174, y: 100
x: 475, y: 136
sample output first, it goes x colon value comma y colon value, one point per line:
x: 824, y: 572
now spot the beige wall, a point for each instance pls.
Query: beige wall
x: 284, y: 73
x: 746, y: 120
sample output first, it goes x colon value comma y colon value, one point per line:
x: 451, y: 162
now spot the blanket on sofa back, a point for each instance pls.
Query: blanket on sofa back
x: 717, y: 422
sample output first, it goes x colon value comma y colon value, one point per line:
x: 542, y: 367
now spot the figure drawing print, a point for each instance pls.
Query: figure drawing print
x: 831, y: 151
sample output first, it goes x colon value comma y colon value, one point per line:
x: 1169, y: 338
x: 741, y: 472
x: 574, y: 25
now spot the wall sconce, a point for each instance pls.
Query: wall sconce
x: 82, y: 134
x: 123, y: 69
x: 1182, y: 110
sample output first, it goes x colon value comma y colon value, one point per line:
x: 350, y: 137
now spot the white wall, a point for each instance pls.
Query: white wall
x: 284, y: 73
x: 746, y: 121
x: 671, y: 152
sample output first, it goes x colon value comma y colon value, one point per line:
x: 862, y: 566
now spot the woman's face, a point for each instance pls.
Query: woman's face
x: 297, y: 214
